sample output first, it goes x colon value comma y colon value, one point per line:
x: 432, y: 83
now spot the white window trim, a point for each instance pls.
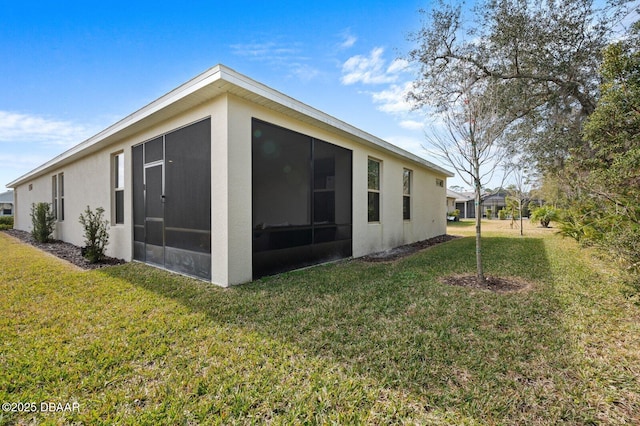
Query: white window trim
x: 117, y: 184
x: 407, y: 194
x: 378, y: 191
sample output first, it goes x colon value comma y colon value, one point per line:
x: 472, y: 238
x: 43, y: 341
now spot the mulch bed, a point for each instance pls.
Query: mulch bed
x: 491, y: 283
x: 402, y: 251
x: 494, y: 284
x: 65, y: 251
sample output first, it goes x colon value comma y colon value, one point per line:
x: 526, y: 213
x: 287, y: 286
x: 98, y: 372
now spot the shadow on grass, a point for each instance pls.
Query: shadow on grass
x: 461, y: 224
x: 395, y: 322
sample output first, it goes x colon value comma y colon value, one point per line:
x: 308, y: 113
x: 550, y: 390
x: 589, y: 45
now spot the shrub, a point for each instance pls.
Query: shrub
x: 43, y: 222
x: 545, y: 215
x: 6, y: 222
x: 502, y: 214
x: 95, y: 234
x: 489, y: 211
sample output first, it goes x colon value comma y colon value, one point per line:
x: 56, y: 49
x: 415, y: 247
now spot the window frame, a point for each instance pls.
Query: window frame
x: 376, y: 192
x: 118, y: 187
x: 407, y: 184
x: 54, y: 196
x: 61, y: 197
x: 57, y: 196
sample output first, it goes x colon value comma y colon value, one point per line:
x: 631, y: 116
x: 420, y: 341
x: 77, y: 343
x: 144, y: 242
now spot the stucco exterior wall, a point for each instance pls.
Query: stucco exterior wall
x: 89, y: 181
x: 428, y: 217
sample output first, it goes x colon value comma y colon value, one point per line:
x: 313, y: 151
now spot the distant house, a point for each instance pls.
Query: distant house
x: 6, y: 203
x: 464, y: 201
x: 451, y: 200
x: 227, y: 180
x: 494, y: 201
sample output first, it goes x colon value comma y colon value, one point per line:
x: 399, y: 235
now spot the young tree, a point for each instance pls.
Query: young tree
x: 43, y: 222
x: 96, y: 234
x: 519, y: 191
x: 467, y: 140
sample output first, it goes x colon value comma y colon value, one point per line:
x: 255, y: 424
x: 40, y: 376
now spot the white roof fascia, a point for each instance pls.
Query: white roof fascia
x: 268, y: 93
x: 207, y: 78
x: 185, y: 89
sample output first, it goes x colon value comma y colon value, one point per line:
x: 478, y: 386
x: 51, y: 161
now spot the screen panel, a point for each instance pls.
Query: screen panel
x: 301, y: 198
x: 154, y: 193
x: 281, y: 173
x: 153, y: 150
x: 172, y: 200
x: 188, y: 181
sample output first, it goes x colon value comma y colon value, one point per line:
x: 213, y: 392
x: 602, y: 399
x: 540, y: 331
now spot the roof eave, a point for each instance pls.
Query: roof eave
x: 129, y: 124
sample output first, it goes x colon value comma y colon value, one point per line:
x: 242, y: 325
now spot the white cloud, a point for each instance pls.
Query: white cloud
x: 398, y: 65
x: 408, y: 143
x: 412, y: 125
x: 348, y: 39
x: 304, y: 72
x: 17, y: 127
x: 265, y: 51
x: 22, y: 161
x: 372, y: 69
x: 393, y: 100
x: 289, y: 56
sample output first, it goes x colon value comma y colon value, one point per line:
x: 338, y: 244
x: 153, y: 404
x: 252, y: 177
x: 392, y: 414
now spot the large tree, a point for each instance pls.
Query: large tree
x: 542, y: 56
x: 606, y: 169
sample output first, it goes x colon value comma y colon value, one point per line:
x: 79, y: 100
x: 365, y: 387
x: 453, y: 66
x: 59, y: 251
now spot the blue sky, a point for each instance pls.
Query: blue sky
x: 71, y: 69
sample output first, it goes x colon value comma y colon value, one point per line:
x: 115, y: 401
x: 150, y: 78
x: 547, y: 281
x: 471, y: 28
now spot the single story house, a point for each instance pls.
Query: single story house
x: 227, y: 180
x: 465, y: 202
x: 494, y: 201
x: 6, y: 203
x: 451, y: 201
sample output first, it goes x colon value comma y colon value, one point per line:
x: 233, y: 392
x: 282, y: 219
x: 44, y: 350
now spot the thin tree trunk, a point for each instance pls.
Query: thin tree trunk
x: 520, y: 208
x: 480, y: 276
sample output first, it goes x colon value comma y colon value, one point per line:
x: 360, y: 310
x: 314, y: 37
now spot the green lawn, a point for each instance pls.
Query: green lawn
x: 348, y: 343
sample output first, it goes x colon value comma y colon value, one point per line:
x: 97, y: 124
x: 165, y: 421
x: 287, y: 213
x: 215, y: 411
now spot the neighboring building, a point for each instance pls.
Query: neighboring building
x: 464, y: 201
x: 6, y: 203
x: 494, y: 201
x: 227, y: 180
x: 451, y: 200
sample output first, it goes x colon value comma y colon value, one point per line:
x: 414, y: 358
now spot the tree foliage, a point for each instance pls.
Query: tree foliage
x: 542, y: 58
x: 545, y: 214
x: 606, y: 169
x: 43, y: 221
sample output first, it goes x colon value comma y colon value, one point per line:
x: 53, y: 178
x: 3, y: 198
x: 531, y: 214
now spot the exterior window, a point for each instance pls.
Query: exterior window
x: 118, y: 187
x: 54, y: 196
x: 440, y: 183
x: 61, y: 196
x: 57, y: 196
x: 406, y: 194
x: 373, y: 184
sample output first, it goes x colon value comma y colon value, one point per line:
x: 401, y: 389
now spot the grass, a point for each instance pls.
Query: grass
x: 348, y: 343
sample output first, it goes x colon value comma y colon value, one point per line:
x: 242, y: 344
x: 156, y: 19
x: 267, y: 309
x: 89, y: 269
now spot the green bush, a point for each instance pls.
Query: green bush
x: 43, y: 222
x: 545, y: 215
x: 95, y: 234
x: 6, y: 222
x: 502, y: 214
